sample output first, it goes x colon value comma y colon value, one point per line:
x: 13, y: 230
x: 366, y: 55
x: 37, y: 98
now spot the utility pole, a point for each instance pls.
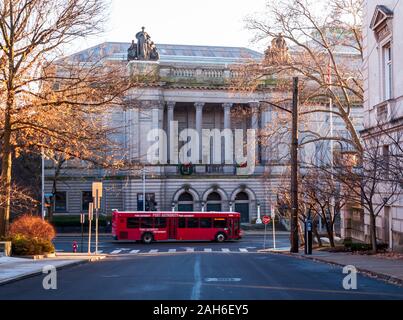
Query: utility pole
x: 294, y: 169
x: 294, y: 165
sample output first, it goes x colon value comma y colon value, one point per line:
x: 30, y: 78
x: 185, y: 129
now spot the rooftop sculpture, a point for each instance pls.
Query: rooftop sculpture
x: 144, y: 49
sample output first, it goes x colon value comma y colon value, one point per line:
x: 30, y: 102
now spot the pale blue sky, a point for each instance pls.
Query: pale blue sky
x: 200, y: 22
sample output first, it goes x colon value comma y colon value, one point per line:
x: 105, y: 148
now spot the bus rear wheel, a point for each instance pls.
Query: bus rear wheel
x: 220, y: 237
x: 147, y: 238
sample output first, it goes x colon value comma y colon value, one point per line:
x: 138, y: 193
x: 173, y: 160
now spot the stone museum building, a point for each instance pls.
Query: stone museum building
x: 191, y: 87
x: 383, y: 105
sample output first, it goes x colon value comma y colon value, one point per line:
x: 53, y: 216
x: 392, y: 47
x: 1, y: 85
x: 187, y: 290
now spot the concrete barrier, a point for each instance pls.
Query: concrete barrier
x: 5, y: 248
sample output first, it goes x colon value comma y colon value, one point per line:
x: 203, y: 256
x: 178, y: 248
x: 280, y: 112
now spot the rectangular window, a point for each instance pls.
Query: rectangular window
x: 61, y: 201
x: 193, y: 223
x: 182, y: 223
x: 161, y: 223
x: 146, y: 223
x: 205, y: 223
x: 386, y: 158
x: 86, y: 198
x: 387, y: 71
x: 220, y: 223
x: 133, y: 223
x: 150, y: 203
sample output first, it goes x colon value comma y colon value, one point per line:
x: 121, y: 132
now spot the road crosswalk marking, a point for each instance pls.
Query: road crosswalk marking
x: 182, y: 249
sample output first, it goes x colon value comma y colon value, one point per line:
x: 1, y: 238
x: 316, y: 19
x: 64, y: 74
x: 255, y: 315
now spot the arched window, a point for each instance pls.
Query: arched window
x: 214, y: 202
x: 185, y: 202
x: 242, y: 196
x: 242, y: 206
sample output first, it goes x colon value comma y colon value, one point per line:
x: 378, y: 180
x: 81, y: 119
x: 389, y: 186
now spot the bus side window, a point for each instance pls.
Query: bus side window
x: 193, y: 222
x: 160, y: 222
x: 205, y: 223
x: 182, y: 223
x: 220, y: 223
x: 146, y: 223
x: 133, y: 223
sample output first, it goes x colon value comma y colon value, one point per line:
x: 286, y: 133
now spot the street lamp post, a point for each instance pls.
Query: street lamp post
x: 144, y: 189
x: 43, y: 184
x: 258, y: 220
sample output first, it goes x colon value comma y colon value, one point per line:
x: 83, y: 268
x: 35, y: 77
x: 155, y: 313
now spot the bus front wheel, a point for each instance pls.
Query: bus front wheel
x: 220, y: 237
x: 147, y: 238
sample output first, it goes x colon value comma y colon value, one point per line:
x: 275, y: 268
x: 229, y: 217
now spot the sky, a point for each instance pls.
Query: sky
x: 197, y: 22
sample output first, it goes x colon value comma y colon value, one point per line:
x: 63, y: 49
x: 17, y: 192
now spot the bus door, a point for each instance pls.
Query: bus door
x: 230, y: 227
x: 172, y: 226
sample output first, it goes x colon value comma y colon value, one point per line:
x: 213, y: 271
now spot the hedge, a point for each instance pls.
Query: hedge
x: 23, y: 246
x: 74, y: 221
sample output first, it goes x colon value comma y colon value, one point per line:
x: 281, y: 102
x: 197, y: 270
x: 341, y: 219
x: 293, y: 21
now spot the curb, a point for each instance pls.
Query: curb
x: 368, y: 273
x: 35, y: 273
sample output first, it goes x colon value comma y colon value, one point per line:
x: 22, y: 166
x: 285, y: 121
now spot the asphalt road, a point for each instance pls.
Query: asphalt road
x: 201, y: 276
x: 250, y: 243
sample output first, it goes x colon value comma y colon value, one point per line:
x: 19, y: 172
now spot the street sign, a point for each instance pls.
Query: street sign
x: 90, y: 211
x: 266, y: 219
x: 97, y: 194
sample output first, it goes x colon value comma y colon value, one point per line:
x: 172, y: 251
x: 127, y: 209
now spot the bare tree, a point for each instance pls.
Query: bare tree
x: 373, y: 178
x: 321, y: 190
x: 47, y: 103
x: 321, y: 43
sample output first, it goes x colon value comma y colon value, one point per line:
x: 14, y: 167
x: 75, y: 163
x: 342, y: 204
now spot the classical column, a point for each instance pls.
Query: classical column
x: 170, y: 119
x: 254, y: 106
x: 266, y: 120
x: 227, y: 115
x: 199, y: 122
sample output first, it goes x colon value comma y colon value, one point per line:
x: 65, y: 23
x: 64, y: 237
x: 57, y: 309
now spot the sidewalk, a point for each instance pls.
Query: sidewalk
x: 390, y: 270
x: 14, y: 269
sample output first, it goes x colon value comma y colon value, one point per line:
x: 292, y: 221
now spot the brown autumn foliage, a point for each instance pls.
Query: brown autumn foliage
x: 321, y: 43
x: 32, y: 227
x: 50, y: 104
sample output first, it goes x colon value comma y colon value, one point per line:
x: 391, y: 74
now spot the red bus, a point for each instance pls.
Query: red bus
x: 160, y: 226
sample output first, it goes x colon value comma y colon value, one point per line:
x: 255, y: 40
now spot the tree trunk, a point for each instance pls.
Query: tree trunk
x: 372, y: 227
x: 316, y: 233
x: 6, y: 177
x: 329, y: 229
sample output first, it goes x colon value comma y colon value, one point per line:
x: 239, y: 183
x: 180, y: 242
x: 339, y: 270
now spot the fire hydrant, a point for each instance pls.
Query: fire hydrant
x: 75, y: 246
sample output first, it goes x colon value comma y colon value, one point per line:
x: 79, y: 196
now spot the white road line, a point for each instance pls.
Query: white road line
x: 225, y: 250
x: 222, y: 279
x: 208, y: 250
x: 243, y: 250
x: 197, y: 280
x: 153, y: 251
x: 116, y: 251
x: 135, y: 251
x: 172, y: 250
x: 190, y: 249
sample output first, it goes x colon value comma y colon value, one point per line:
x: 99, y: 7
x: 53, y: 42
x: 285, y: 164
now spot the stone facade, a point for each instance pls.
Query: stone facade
x: 193, y: 89
x: 383, y: 105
